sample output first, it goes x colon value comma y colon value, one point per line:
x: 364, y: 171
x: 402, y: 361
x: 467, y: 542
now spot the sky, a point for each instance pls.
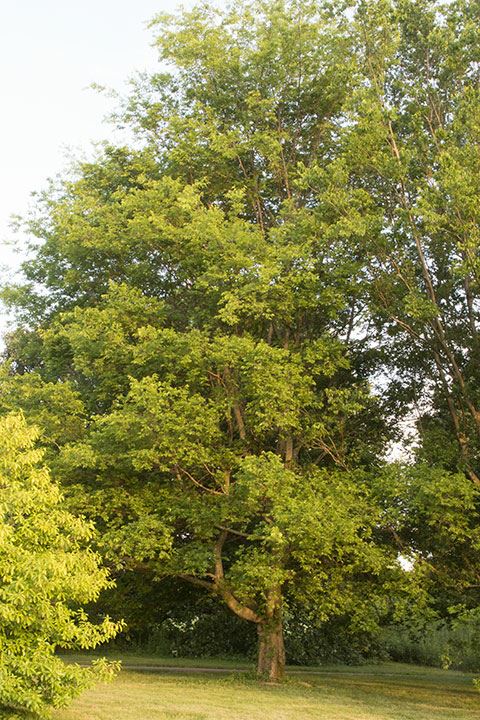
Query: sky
x: 51, y: 51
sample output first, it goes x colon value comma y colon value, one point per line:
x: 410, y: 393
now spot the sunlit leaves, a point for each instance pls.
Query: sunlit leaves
x: 47, y: 572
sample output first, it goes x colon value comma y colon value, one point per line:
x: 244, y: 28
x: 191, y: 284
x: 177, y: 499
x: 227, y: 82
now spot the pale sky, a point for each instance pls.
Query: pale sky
x: 50, y: 53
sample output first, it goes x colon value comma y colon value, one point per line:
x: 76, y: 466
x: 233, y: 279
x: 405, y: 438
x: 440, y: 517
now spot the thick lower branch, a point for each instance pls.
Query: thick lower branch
x: 198, y: 582
x: 243, y: 611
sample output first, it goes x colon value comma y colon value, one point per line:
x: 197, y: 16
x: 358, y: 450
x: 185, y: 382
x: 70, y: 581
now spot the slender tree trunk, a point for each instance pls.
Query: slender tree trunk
x: 271, y: 650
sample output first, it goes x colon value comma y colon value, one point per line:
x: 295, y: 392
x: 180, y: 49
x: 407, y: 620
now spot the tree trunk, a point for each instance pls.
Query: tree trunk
x: 271, y: 650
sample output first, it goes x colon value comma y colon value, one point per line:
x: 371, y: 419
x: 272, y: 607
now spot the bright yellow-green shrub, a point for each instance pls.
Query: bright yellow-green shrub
x: 47, y: 573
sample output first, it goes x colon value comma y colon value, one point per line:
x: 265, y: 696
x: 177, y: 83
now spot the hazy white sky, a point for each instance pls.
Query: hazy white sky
x: 50, y: 52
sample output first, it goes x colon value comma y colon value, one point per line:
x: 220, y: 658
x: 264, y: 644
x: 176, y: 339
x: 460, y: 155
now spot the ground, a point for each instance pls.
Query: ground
x: 382, y: 692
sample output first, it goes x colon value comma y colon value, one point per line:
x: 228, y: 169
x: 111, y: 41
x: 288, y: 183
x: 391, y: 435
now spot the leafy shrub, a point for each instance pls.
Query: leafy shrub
x: 449, y: 644
x: 47, y: 573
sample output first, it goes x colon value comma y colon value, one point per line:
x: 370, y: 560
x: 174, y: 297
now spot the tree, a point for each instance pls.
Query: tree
x: 197, y: 325
x: 408, y: 169
x: 47, y: 574
x: 228, y: 461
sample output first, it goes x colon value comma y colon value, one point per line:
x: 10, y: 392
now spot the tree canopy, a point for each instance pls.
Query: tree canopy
x: 221, y: 326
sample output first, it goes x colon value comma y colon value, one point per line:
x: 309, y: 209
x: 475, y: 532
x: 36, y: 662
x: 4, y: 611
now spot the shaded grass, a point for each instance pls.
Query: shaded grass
x: 133, y: 659
x: 384, y: 692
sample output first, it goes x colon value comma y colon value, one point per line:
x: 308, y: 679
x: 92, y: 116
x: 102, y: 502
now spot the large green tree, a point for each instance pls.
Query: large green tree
x: 192, y: 341
x: 409, y: 165
x: 409, y: 169
x: 201, y: 316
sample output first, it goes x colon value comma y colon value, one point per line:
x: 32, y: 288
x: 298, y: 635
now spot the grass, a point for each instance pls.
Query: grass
x: 139, y: 659
x: 385, y: 692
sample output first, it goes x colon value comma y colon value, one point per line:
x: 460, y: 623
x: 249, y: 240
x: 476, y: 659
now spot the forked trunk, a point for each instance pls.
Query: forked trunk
x: 271, y: 650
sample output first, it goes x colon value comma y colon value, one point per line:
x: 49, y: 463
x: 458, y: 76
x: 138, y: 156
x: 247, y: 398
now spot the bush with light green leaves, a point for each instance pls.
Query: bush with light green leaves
x: 47, y: 574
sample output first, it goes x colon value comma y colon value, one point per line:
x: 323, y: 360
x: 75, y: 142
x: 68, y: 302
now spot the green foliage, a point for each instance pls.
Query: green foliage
x: 201, y: 629
x: 205, y: 315
x: 225, y: 426
x: 47, y: 574
x: 434, y: 516
x: 439, y: 643
x: 407, y: 181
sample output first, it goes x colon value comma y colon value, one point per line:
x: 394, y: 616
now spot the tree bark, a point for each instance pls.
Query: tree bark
x: 271, y: 650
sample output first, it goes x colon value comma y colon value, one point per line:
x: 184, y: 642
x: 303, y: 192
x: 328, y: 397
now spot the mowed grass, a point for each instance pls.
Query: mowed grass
x: 384, y: 692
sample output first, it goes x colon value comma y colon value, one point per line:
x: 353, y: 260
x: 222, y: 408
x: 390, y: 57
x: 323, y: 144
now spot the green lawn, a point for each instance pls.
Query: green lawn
x: 383, y: 692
